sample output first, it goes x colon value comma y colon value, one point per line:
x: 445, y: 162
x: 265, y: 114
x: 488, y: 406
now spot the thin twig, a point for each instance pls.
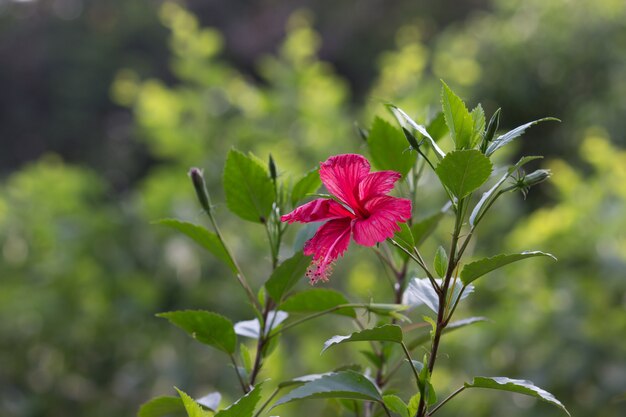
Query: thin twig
x: 448, y: 398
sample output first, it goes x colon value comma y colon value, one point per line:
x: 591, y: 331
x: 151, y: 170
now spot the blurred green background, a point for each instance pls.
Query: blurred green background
x: 105, y: 104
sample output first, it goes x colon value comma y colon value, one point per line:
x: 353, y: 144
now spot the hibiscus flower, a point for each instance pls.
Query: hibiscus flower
x: 360, y: 208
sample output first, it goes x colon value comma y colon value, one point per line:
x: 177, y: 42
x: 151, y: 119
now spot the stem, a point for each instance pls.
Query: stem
x: 243, y: 384
x: 239, y: 274
x: 386, y: 409
x: 408, y: 357
x: 265, y: 404
x: 318, y: 314
x: 420, y: 263
x: 451, y: 396
x: 441, y: 320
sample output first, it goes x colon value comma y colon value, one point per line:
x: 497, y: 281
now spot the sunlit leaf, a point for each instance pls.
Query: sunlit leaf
x: 345, y: 384
x: 477, y: 269
x: 502, y: 140
x: 385, y: 333
x: 210, y: 401
x: 252, y: 328
x: 208, y: 240
x: 421, y: 291
x: 409, y: 124
x: 206, y: 327
x: 248, y: 187
x: 478, y: 117
x: 192, y: 408
x: 515, y: 385
x: 458, y: 118
x: 464, y: 171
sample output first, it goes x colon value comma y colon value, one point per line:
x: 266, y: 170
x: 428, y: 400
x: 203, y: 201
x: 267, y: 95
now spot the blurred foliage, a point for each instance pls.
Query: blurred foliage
x: 82, y: 271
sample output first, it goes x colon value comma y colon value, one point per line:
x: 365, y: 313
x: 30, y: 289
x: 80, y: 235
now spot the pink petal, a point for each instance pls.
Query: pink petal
x: 341, y: 175
x: 317, y: 210
x: 385, y: 214
x: 328, y: 244
x: 377, y: 183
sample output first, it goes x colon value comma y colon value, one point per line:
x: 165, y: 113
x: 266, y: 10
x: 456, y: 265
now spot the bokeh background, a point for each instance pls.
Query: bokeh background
x: 105, y: 104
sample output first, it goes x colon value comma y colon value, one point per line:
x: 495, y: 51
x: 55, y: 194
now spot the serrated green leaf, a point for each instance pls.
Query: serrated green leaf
x: 477, y: 269
x: 192, y: 408
x: 425, y: 336
x: 208, y: 240
x: 345, y: 384
x: 519, y: 386
x: 385, y: 333
x: 307, y: 184
x: 464, y: 171
x: 244, y: 406
x: 163, y: 407
x: 287, y: 275
x: 458, y: 118
x: 478, y: 117
x: 502, y: 140
x: 441, y: 261
x: 388, y: 148
x: 395, y: 404
x: 209, y: 328
x: 249, y: 189
x: 315, y: 300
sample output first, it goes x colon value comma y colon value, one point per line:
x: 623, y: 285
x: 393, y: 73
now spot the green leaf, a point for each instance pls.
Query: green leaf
x: 477, y: 269
x: 478, y: 117
x: 248, y: 187
x: 502, y: 140
x: 246, y: 358
x: 464, y: 171
x: 388, y: 148
x: 437, y: 127
x: 489, y: 194
x: 209, y: 328
x: 315, y: 300
x: 208, y: 240
x: 404, y: 237
x: 307, y: 184
x: 441, y: 261
x: 458, y: 118
x: 425, y: 336
x: 287, y: 275
x: 162, y: 407
x: 426, y: 226
x: 409, y: 124
x: 345, y: 384
x: 191, y: 406
x: 519, y: 386
x: 395, y: 404
x: 385, y: 333
x: 244, y: 406
x: 414, y: 403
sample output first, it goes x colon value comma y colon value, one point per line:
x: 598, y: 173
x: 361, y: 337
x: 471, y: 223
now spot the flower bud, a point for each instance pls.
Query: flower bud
x: 494, y: 122
x: 272, y: 167
x: 201, y: 192
x: 535, y: 177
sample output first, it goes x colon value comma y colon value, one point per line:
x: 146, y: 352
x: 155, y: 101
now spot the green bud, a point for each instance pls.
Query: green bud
x: 536, y: 177
x: 494, y: 123
x: 363, y: 133
x: 411, y: 139
x: 272, y: 167
x: 201, y: 192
